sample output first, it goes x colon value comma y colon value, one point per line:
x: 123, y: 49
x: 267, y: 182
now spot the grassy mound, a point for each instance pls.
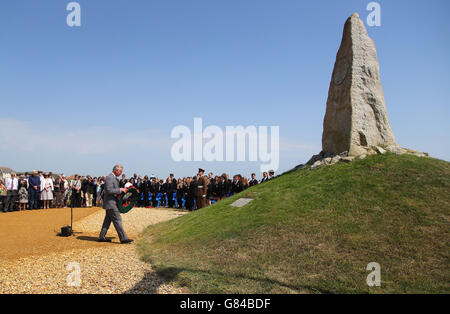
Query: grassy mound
x: 316, y: 231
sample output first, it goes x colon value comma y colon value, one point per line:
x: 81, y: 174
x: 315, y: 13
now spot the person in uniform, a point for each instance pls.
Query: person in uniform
x: 237, y: 185
x: 202, y: 189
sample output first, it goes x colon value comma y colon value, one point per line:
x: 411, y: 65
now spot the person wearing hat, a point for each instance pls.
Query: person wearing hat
x: 202, y: 189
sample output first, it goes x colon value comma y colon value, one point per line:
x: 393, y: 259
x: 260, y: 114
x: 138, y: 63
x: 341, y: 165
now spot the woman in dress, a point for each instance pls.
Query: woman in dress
x: 23, y: 194
x: 47, y: 190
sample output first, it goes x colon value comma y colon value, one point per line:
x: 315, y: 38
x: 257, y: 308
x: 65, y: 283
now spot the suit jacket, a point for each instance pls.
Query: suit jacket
x: 34, y: 181
x: 111, y: 190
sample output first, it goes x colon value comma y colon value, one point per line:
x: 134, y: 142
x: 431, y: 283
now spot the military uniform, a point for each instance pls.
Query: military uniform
x: 202, y: 191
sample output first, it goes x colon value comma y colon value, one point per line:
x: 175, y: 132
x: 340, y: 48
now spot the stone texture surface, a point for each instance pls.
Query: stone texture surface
x: 356, y: 116
x: 241, y: 202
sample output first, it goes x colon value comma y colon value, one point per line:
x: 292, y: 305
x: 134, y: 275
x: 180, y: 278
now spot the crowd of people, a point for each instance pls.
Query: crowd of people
x: 42, y: 190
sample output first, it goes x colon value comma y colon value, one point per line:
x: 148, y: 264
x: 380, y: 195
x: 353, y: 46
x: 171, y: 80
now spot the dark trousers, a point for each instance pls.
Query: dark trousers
x: 145, y: 202
x: 34, y: 199
x: 189, y: 202
x: 76, y: 199
x: 201, y: 201
x: 170, y: 199
x: 2, y: 202
x: 113, y: 215
x: 11, y: 198
x: 154, y: 201
x: 59, y: 199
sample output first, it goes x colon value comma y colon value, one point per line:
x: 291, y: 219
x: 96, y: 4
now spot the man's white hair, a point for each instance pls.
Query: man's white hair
x: 117, y: 167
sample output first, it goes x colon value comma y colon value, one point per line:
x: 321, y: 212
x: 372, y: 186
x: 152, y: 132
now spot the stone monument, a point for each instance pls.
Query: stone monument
x: 356, y: 118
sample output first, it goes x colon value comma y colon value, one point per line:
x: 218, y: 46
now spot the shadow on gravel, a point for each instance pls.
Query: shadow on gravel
x: 171, y: 273
x: 92, y: 239
x: 148, y: 285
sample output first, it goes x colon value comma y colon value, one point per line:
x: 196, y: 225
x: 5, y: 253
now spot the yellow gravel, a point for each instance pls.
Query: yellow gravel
x: 133, y: 222
x: 113, y: 268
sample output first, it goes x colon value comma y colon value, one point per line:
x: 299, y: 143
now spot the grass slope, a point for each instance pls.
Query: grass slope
x: 316, y: 231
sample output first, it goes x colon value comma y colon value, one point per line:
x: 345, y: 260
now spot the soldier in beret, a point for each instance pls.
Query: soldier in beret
x: 202, y: 189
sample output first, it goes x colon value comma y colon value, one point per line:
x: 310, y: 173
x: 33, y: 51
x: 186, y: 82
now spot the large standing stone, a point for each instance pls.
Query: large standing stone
x: 356, y: 114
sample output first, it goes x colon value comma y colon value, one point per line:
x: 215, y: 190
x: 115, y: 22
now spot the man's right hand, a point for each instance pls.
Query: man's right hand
x: 123, y: 190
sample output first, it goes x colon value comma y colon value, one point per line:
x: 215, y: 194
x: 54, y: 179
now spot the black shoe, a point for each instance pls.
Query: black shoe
x: 126, y: 241
x: 104, y: 240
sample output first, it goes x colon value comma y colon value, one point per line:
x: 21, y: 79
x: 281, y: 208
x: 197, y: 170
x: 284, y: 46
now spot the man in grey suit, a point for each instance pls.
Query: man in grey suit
x: 111, y: 191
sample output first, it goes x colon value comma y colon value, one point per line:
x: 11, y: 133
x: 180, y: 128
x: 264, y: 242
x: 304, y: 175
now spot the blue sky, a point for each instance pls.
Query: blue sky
x: 81, y: 99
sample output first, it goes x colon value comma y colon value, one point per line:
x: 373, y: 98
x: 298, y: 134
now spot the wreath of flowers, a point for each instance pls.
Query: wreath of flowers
x: 127, y: 200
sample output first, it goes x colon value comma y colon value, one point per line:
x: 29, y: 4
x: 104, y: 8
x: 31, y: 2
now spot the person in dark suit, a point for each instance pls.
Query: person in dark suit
x: 163, y: 191
x: 145, y: 189
x: 237, y: 185
x: 171, y: 189
x: 211, y: 191
x: 181, y: 190
x: 34, y: 186
x: 265, y: 177
x: 271, y: 174
x: 191, y: 192
x: 220, y: 188
x: 122, y: 181
x: 155, y: 192
x: 112, y: 214
x: 253, y: 181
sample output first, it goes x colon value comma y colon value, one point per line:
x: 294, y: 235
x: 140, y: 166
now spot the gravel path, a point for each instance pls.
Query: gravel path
x: 111, y: 268
x: 133, y: 222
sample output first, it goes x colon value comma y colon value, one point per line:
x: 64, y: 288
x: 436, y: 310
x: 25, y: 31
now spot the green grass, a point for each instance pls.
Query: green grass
x: 316, y: 231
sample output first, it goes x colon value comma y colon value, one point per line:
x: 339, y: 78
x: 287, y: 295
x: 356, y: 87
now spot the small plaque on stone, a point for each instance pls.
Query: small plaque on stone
x: 241, y: 202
